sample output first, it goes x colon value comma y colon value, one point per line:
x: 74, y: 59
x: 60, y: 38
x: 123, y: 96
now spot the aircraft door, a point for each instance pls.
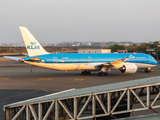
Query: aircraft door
x: 89, y: 59
x: 55, y: 60
x: 149, y: 58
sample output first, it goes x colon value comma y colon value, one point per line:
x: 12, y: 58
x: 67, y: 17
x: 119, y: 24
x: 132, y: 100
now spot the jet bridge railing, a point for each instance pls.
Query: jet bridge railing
x: 113, y: 103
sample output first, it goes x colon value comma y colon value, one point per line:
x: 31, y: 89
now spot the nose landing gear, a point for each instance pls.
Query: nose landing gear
x: 147, y: 70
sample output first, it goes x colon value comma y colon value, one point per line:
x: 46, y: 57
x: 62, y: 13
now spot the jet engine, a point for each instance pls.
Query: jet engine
x: 129, y: 68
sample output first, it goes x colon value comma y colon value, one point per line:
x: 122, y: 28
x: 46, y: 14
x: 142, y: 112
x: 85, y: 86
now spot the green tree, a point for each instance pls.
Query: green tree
x: 132, y: 48
x: 155, y: 44
x: 116, y: 47
x: 142, y: 47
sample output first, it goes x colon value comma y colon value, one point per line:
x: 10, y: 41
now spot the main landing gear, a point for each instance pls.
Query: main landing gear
x: 86, y: 72
x: 147, y: 70
x: 103, y: 72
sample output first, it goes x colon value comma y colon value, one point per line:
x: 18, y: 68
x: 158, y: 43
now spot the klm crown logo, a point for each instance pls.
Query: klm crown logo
x: 33, y: 46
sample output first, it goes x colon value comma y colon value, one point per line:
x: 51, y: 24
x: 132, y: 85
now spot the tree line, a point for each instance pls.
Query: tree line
x: 131, y: 48
x: 135, y: 48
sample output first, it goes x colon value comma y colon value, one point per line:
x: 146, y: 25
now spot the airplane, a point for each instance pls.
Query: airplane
x: 86, y: 62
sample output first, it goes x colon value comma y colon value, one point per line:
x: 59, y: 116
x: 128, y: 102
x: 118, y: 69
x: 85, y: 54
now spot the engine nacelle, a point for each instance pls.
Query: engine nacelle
x: 129, y: 68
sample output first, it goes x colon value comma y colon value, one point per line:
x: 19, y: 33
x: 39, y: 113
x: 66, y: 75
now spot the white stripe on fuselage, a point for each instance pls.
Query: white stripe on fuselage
x: 142, y: 65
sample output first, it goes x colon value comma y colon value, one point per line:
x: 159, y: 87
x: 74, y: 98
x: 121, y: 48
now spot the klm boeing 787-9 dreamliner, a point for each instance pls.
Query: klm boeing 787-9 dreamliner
x: 87, y: 62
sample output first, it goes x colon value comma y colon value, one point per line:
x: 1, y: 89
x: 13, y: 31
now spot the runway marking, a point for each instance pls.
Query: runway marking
x: 45, y: 79
x: 4, y: 78
x: 79, y: 79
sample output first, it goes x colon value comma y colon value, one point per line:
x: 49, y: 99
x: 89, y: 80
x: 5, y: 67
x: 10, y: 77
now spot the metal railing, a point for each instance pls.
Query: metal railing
x: 101, y: 104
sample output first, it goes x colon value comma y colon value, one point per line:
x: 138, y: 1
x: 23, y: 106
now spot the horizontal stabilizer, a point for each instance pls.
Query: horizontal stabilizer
x: 13, y: 58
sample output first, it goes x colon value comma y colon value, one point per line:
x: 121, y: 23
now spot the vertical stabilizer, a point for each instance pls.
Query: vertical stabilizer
x: 32, y: 45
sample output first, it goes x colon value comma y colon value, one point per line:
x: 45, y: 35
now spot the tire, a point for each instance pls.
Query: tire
x: 147, y: 70
x: 105, y: 74
x: 82, y: 73
x: 89, y: 72
x: 99, y: 74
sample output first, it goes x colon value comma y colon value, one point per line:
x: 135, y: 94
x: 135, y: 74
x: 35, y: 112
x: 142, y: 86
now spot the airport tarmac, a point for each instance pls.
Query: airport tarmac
x: 17, y: 75
x: 17, y: 79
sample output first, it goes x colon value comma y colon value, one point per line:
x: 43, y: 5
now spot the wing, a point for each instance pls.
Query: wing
x: 117, y: 64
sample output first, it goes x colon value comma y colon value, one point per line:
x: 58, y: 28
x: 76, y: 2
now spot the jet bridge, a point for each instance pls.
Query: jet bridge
x: 109, y: 101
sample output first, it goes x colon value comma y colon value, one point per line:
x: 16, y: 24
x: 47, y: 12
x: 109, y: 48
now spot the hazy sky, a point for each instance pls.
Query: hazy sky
x: 52, y: 21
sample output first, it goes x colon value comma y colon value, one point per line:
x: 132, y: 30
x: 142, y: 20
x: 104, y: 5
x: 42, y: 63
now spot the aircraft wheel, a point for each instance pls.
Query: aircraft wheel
x: 147, y: 70
x: 88, y: 72
x: 83, y: 73
x: 105, y: 74
x: 102, y: 74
